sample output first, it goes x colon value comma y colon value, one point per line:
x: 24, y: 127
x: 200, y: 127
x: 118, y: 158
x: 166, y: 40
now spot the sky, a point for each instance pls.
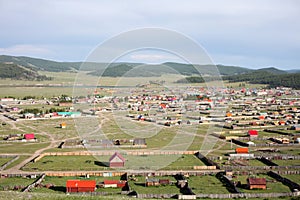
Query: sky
x: 249, y: 33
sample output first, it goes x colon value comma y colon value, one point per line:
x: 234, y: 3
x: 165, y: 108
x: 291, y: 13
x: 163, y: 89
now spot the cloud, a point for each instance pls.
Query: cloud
x: 250, y: 28
x: 25, y: 49
x: 153, y: 58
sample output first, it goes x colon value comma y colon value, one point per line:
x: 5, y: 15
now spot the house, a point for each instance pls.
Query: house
x: 152, y: 182
x: 113, y: 183
x: 80, y: 186
x: 164, y: 181
x: 116, y: 160
x: 241, y: 150
x: 253, y: 133
x: 29, y: 136
x: 257, y: 183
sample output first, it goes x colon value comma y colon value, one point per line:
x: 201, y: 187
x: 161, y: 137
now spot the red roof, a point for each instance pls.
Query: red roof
x: 81, y: 183
x: 257, y: 181
x: 116, y: 154
x: 29, y: 136
x: 241, y: 150
x: 108, y: 182
x: 253, y: 132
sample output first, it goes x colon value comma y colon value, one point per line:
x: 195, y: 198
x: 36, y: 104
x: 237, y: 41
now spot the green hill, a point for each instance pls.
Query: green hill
x: 21, y: 67
x: 14, y: 71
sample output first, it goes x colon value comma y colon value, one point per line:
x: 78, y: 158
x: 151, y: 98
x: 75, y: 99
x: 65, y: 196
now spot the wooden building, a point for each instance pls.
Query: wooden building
x: 257, y: 183
x: 116, y: 160
x: 80, y: 186
x: 113, y: 184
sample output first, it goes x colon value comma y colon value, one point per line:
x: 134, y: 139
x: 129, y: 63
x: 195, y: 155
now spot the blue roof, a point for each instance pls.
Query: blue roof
x: 68, y: 113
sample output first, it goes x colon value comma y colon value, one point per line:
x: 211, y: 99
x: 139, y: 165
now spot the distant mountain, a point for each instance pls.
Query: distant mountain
x: 120, y: 69
x: 291, y: 71
x: 40, y: 64
x: 272, y: 70
x: 27, y: 68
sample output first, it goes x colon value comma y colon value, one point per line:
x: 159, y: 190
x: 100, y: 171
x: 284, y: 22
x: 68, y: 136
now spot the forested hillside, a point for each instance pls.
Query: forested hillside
x: 13, y: 71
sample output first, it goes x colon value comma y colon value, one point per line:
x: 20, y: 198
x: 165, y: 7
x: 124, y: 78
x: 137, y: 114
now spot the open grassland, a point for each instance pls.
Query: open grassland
x: 206, y: 185
x: 51, y: 127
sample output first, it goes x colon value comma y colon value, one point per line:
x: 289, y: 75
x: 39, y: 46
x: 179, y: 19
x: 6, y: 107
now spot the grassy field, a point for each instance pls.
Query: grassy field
x: 60, y: 184
x: 140, y: 188
x: 9, y: 183
x: 21, y: 159
x: 185, y: 162
x: 22, y: 147
x: 287, y: 162
x: 50, y: 126
x: 206, y: 185
x: 293, y: 177
x: 272, y: 185
x: 65, y: 163
x: 89, y: 163
x: 4, y: 160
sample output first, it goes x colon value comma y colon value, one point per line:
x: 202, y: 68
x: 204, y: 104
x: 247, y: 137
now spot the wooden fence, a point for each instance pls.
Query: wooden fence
x: 14, y: 158
x: 108, y: 153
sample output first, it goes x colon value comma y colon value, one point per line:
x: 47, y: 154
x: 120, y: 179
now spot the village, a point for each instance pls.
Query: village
x: 103, y: 144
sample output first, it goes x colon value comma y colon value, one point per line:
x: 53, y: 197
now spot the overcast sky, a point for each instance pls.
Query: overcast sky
x: 249, y: 33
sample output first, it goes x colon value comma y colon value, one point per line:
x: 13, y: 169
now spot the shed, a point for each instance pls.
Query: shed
x: 257, y: 183
x: 139, y: 141
x: 114, y: 184
x: 164, y: 181
x: 81, y: 186
x: 116, y: 160
x: 241, y: 150
x: 29, y: 136
x: 253, y: 133
x: 152, y: 182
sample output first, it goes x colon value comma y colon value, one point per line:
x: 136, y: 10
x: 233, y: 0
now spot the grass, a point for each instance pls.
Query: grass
x: 9, y: 183
x: 91, y: 163
x: 273, y: 186
x: 293, y: 177
x: 67, y: 163
x: 206, y: 185
x: 60, y: 184
x: 16, y: 148
x: 140, y: 188
x: 4, y: 160
x: 185, y: 162
x: 21, y: 159
x: 51, y: 126
x: 287, y: 162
